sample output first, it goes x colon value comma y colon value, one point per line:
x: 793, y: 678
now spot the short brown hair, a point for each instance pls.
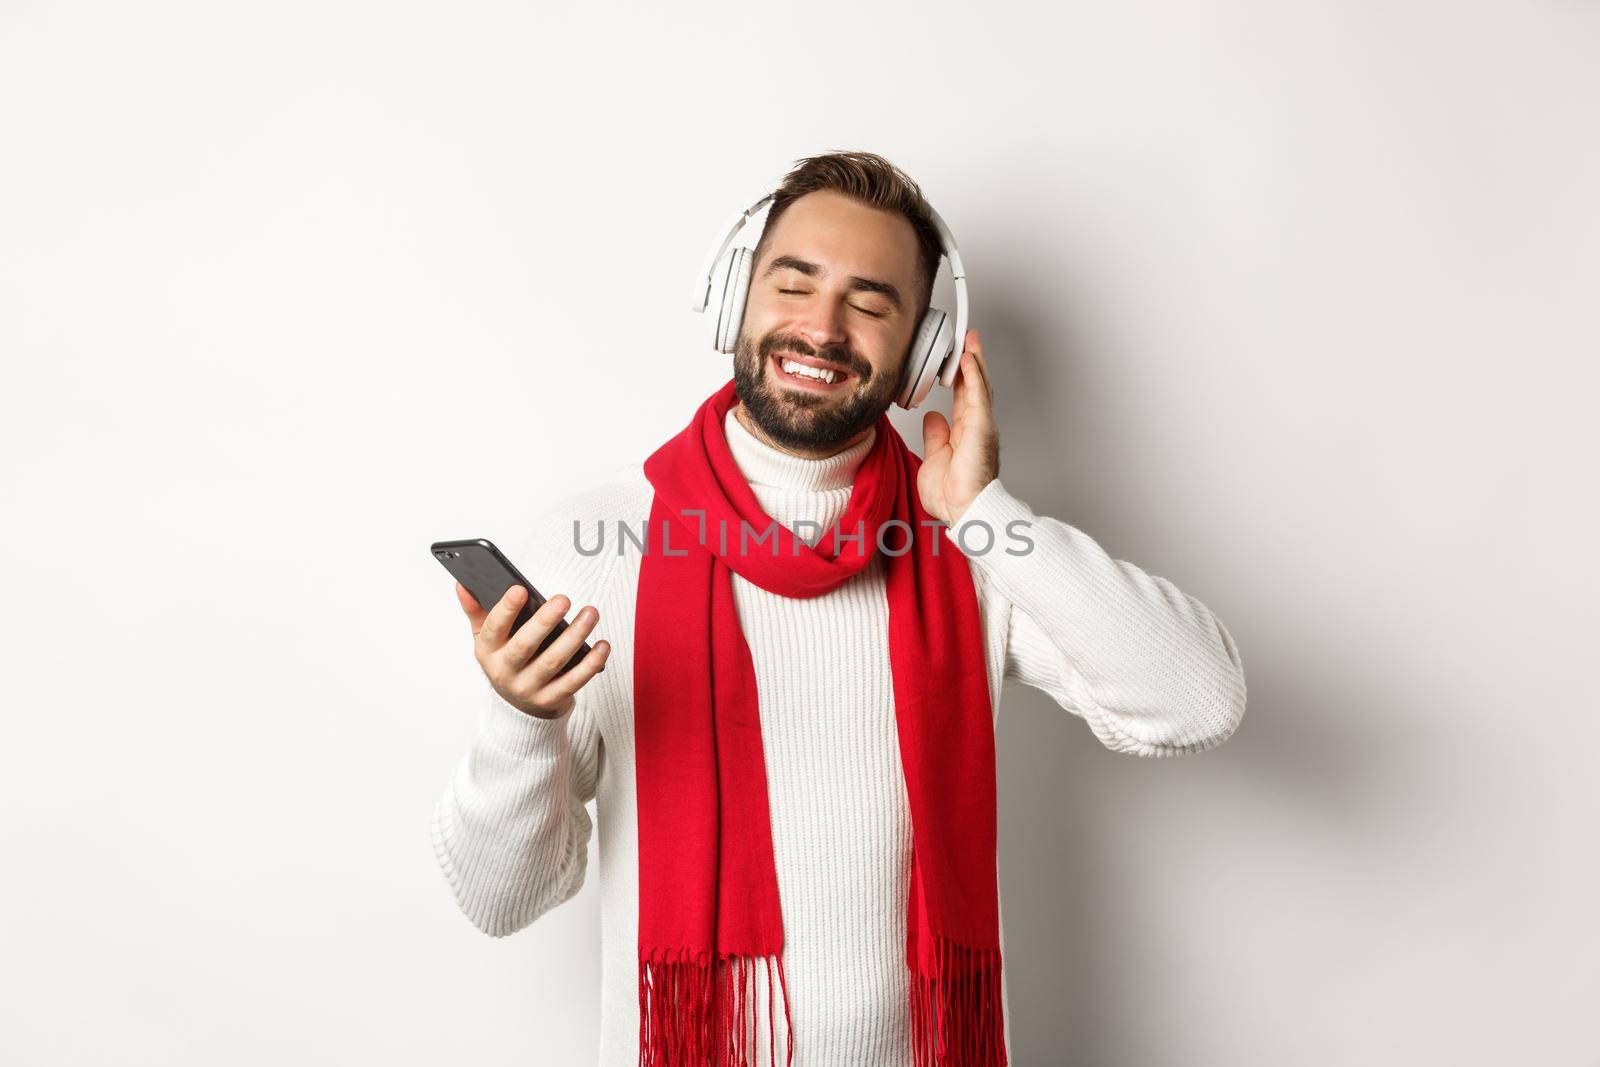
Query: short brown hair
x: 871, y: 180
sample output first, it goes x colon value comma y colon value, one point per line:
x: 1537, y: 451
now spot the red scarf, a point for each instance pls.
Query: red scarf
x: 708, y: 885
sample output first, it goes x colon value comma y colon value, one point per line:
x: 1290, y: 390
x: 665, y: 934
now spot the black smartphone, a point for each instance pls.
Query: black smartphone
x: 487, y: 574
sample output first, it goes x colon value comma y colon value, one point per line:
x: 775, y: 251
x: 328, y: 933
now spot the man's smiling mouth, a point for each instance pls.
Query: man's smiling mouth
x: 809, y: 373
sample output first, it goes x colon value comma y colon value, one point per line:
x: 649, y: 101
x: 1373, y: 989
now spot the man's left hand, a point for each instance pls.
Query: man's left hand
x: 958, y: 461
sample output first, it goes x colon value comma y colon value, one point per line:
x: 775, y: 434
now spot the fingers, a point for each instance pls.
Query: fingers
x: 559, y: 694
x: 973, y: 361
x: 535, y: 630
x: 566, y: 646
x: 935, y: 433
x: 535, y: 684
x: 491, y: 633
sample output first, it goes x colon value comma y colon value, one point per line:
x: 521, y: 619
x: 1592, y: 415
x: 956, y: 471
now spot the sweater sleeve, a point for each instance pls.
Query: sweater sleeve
x: 1150, y: 669
x: 511, y: 830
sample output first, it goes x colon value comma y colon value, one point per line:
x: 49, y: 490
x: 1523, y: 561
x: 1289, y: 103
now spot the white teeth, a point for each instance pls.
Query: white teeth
x: 792, y: 367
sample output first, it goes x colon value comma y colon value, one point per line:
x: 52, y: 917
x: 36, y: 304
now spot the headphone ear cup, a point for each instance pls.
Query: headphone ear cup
x: 929, y: 349
x: 730, y: 284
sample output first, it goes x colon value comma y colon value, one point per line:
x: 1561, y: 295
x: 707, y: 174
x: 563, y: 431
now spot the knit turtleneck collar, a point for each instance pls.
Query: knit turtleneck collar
x: 762, y: 464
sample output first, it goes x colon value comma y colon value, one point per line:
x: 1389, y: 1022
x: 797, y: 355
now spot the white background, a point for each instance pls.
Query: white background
x: 1293, y: 304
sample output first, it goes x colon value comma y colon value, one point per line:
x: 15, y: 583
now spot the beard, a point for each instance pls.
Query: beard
x: 803, y: 420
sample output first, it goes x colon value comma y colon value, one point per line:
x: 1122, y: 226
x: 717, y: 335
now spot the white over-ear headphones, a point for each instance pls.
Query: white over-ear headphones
x: 723, y: 284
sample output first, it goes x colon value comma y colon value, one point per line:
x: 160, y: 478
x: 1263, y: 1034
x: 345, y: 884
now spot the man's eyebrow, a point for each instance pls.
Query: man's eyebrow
x: 813, y: 270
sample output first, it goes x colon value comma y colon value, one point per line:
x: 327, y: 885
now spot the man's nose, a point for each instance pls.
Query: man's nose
x: 824, y: 324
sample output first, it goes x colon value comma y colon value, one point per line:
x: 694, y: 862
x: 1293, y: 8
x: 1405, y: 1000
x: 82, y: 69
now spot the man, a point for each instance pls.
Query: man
x: 792, y: 757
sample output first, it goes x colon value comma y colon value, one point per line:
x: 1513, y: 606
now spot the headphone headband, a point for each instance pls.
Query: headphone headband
x: 702, y: 285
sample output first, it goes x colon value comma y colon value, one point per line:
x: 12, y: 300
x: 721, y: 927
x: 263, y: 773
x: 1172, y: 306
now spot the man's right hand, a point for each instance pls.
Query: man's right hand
x: 531, y: 685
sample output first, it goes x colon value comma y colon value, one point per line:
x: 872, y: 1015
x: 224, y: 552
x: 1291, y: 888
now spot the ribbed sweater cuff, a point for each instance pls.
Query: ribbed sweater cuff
x: 1014, y: 562
x: 993, y: 507
x: 516, y: 733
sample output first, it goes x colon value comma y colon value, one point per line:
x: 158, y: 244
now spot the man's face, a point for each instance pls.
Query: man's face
x: 837, y: 287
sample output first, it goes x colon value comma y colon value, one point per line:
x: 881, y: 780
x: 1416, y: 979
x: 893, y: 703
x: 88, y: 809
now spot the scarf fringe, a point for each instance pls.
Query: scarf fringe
x: 957, y: 1018
x: 692, y: 1017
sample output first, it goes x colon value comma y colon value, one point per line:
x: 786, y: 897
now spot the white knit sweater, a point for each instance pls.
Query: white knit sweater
x: 1147, y: 667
